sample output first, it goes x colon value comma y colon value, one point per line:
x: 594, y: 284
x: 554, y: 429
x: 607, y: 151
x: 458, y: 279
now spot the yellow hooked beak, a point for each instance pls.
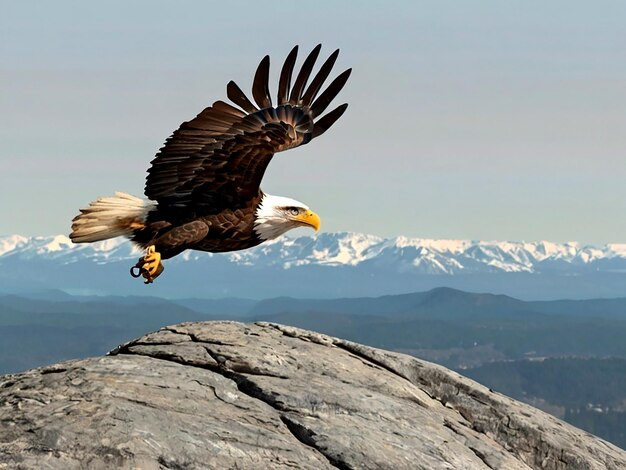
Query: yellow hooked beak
x: 310, y: 218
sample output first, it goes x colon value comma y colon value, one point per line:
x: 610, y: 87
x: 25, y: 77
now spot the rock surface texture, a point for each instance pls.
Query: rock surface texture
x: 233, y: 395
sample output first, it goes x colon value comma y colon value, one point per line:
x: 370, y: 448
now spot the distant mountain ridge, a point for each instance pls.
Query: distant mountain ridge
x: 350, y: 249
x: 405, y: 264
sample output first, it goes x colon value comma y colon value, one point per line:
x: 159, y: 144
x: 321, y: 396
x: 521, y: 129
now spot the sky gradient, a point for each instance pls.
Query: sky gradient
x: 480, y: 120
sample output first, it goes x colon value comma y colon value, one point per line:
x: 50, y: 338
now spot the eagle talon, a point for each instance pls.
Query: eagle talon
x: 132, y: 271
x: 148, y: 266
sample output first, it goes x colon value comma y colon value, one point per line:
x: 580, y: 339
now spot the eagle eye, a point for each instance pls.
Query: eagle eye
x: 293, y: 210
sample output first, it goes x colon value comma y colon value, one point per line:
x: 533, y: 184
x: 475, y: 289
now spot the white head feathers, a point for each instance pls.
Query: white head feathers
x: 276, y: 215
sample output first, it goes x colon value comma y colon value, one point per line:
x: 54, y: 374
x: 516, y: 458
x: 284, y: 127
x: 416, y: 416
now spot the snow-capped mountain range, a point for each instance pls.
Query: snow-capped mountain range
x: 345, y: 249
x: 356, y: 256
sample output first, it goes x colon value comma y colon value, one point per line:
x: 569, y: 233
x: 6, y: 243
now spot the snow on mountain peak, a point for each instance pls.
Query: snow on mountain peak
x: 11, y: 242
x: 402, y: 254
x: 58, y: 243
x: 442, y: 246
x: 618, y: 249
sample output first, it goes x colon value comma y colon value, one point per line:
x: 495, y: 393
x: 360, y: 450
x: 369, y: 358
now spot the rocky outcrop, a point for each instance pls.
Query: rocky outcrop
x: 233, y: 395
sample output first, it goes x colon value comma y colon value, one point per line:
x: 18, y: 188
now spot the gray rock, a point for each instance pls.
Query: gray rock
x: 232, y: 395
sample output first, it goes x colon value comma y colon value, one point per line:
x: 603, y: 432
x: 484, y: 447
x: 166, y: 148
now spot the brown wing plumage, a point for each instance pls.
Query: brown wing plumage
x: 217, y: 160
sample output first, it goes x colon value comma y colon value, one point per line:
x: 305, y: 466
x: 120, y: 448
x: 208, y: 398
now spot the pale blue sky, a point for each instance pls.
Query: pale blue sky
x: 467, y: 119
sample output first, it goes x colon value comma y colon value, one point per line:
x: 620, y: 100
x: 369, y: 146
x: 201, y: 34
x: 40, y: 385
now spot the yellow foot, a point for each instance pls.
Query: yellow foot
x: 148, y: 266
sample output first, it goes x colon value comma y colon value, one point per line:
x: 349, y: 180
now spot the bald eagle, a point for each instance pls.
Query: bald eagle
x: 203, y: 188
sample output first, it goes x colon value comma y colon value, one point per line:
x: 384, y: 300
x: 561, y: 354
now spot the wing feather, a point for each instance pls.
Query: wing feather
x: 324, y: 123
x: 217, y: 160
x: 238, y: 97
x: 261, y: 87
x: 227, y: 108
x: 321, y: 103
x: 285, y: 76
x: 303, y: 76
x: 319, y: 79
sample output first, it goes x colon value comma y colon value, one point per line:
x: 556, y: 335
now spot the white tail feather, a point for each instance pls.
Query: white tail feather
x: 110, y: 217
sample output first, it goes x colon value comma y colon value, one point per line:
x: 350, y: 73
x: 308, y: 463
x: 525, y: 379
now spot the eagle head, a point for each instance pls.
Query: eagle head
x: 276, y: 215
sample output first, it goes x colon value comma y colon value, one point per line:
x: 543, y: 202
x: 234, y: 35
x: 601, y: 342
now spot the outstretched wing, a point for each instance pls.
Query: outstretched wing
x: 217, y: 160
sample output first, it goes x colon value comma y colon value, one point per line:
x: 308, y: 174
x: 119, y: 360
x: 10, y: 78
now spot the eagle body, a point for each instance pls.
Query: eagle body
x: 227, y: 230
x: 203, y: 187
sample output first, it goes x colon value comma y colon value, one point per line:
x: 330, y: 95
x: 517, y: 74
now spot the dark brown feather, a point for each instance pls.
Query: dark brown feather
x: 285, y: 76
x: 260, y: 85
x: 319, y: 79
x: 303, y: 76
x: 227, y: 108
x: 321, y: 103
x: 238, y: 97
x: 323, y: 124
